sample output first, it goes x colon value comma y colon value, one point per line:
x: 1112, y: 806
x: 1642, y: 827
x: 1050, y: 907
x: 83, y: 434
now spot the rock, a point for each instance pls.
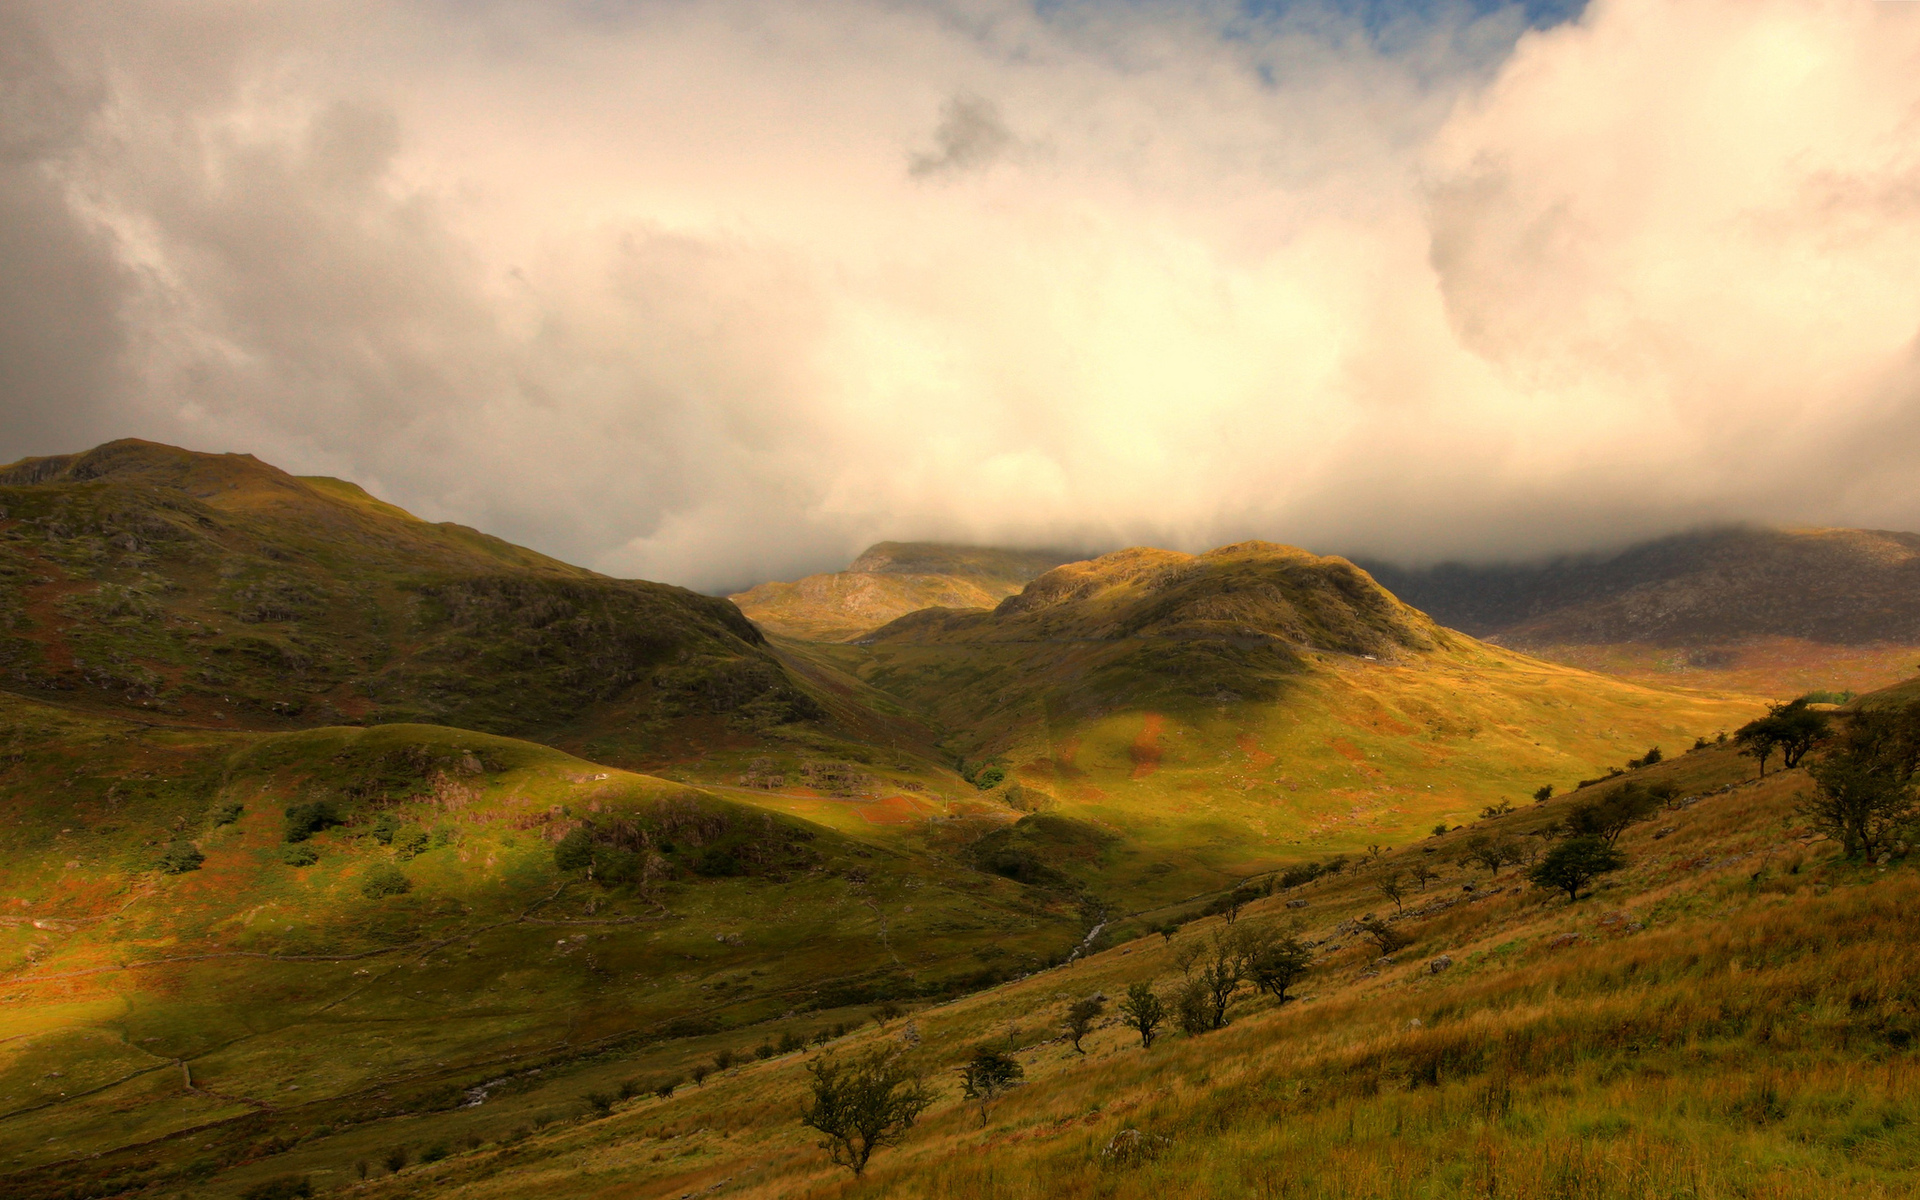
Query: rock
x: 1296, y: 904
x: 1385, y: 960
x: 1130, y: 1148
x: 1416, y: 1023
x: 1563, y: 941
x: 1663, y: 833
x: 1437, y: 965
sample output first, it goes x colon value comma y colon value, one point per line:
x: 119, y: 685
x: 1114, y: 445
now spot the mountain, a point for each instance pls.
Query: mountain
x: 217, y: 590
x: 1775, y: 610
x: 889, y: 580
x: 1254, y: 701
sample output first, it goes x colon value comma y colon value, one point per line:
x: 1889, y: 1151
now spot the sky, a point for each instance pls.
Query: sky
x: 716, y: 291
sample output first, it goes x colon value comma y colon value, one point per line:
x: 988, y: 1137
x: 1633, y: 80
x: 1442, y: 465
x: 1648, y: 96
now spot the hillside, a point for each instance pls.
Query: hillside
x: 1230, y: 710
x: 217, y: 590
x: 889, y: 580
x: 1733, y: 1014
x: 1771, y: 610
x: 363, y: 925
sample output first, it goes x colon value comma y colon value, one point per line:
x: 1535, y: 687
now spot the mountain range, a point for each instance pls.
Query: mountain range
x: 328, y: 832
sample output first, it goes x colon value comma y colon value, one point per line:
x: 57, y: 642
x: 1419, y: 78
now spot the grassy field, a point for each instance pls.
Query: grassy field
x: 1732, y: 1015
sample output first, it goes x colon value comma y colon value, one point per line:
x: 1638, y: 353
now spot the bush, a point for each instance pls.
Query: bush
x: 1575, y: 863
x: 600, y: 1102
x: 395, y: 1158
x: 665, y: 1088
x: 305, y: 820
x: 410, y: 841
x: 765, y: 1050
x: 434, y: 1153
x: 180, y: 858
x: 384, y: 827
x: 286, y: 1187
x: 298, y: 856
x: 227, y: 814
x: 384, y: 880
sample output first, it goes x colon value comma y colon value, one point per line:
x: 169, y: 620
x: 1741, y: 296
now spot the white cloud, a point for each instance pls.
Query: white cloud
x: 718, y: 291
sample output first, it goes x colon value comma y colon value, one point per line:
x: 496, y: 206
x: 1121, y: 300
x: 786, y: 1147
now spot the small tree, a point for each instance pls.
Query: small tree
x: 885, y: 1011
x: 1275, y: 963
x: 1758, y: 740
x: 1608, y: 817
x: 1492, y: 853
x: 1222, y: 976
x: 986, y: 1076
x: 1422, y: 873
x: 698, y: 1073
x: 1543, y: 793
x: 862, y: 1105
x: 1384, y: 935
x: 1167, y: 931
x: 1863, y: 792
x: 1080, y: 1018
x: 1575, y: 863
x: 1191, y: 1010
x: 1498, y: 809
x: 396, y: 1159
x: 1143, y: 1012
x: 1390, y: 885
x: 1440, y: 829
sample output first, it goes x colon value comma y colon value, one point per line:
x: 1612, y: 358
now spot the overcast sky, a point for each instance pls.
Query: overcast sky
x: 719, y: 291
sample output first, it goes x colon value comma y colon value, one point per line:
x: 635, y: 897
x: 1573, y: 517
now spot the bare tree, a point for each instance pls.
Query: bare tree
x: 1390, y: 885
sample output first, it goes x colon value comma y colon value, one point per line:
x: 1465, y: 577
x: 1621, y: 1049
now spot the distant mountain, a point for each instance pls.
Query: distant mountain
x: 1836, y: 586
x: 219, y: 590
x: 889, y: 580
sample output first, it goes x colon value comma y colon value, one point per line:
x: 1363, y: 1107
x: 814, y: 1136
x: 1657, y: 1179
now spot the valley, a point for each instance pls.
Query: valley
x: 348, y: 849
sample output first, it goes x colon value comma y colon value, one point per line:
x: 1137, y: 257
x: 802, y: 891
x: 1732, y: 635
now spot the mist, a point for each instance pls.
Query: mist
x: 722, y: 291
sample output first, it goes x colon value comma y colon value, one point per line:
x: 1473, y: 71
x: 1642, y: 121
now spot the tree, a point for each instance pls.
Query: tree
x: 1492, y: 853
x: 698, y: 1073
x: 1609, y: 816
x: 1390, y: 885
x: 1499, y: 809
x: 1799, y: 728
x: 1543, y: 794
x: 1201, y: 1002
x: 985, y: 1076
x: 862, y: 1105
x: 1423, y: 873
x: 1275, y: 963
x: 1167, y: 931
x: 1864, y: 787
x: 1575, y: 863
x: 1757, y: 740
x: 1080, y: 1017
x: 1384, y: 935
x: 1143, y: 1012
x: 180, y: 858
x: 1235, y: 900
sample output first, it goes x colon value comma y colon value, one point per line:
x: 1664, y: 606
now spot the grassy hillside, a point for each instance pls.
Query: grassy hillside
x: 887, y: 581
x: 218, y: 591
x: 1772, y: 610
x: 1733, y: 1014
x: 284, y: 985
x: 1256, y: 704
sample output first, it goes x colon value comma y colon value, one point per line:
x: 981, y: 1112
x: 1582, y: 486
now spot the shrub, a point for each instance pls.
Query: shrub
x: 227, y: 814
x: 434, y: 1153
x: 665, y: 1088
x: 790, y: 1041
x: 764, y: 1050
x: 305, y: 820
x: 699, y: 1074
x: 395, y: 1159
x: 298, y: 856
x: 629, y: 1088
x: 180, y: 858
x: 384, y: 880
x: 384, y: 827
x: 410, y: 841
x: 1384, y: 935
x: 723, y: 1060
x: 600, y: 1102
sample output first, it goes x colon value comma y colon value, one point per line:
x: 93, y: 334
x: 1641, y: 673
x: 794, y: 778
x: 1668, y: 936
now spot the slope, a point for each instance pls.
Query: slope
x: 1731, y: 1015
x: 364, y: 925
x: 1231, y: 710
x: 1774, y: 610
x: 889, y: 580
x: 219, y: 591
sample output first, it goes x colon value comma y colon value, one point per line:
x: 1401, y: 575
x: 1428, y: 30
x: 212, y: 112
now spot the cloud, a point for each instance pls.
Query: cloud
x: 719, y: 291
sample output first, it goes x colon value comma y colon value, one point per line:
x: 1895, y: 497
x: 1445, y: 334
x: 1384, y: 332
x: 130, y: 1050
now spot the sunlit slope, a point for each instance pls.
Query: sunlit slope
x: 134, y: 1003
x: 1733, y: 1014
x: 220, y: 591
x: 1259, y: 702
x: 887, y: 581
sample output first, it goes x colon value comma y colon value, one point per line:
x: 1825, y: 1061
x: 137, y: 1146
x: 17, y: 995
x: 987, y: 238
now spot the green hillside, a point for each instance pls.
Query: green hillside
x: 456, y: 906
x: 216, y: 590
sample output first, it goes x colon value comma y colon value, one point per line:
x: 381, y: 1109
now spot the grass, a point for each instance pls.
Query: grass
x: 1731, y: 1016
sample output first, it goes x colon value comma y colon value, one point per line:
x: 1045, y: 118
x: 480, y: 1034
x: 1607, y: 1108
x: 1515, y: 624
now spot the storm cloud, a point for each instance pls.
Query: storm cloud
x: 720, y: 291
